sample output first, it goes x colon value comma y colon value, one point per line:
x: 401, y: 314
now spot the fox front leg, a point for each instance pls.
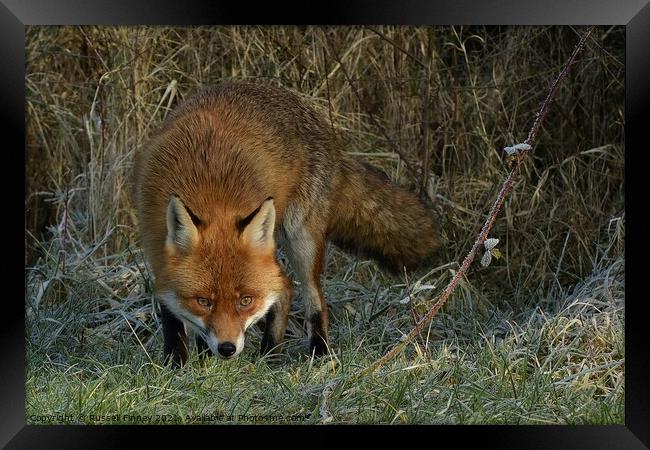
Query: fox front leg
x: 275, y: 326
x: 307, y: 256
x: 175, y: 338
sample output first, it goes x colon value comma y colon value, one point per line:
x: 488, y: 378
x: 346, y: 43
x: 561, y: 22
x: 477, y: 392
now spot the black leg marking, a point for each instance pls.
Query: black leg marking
x: 203, y: 348
x: 174, y: 337
x: 318, y: 340
x: 268, y: 342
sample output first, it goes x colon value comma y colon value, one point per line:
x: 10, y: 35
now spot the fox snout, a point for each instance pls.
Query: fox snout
x: 227, y: 347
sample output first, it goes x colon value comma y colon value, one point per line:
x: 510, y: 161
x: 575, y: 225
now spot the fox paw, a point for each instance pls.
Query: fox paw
x: 268, y: 345
x: 317, y: 345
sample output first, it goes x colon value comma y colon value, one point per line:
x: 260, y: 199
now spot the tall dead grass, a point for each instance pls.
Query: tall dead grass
x: 447, y: 99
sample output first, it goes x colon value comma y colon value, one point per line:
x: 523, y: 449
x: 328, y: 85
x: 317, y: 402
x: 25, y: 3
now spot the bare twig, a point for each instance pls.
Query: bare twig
x: 487, y: 226
x: 397, y: 46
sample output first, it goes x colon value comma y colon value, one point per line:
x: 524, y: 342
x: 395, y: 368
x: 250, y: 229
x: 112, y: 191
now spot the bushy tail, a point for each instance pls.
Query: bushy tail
x: 379, y: 219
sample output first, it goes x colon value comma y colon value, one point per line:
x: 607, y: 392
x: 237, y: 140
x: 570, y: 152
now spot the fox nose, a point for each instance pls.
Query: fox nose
x: 227, y: 349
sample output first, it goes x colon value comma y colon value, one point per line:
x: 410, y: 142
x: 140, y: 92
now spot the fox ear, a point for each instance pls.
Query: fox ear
x: 259, y: 227
x: 181, y: 231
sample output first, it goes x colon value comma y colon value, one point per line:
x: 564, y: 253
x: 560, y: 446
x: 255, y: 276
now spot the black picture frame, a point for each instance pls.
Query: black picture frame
x: 634, y: 14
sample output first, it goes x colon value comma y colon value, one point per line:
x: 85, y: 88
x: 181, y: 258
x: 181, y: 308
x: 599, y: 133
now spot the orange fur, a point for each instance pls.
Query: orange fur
x: 222, y: 154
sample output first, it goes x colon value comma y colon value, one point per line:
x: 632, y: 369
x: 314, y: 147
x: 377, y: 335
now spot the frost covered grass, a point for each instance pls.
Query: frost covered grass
x: 535, y: 337
x: 559, y: 361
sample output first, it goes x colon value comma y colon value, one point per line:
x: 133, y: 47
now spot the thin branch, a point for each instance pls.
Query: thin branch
x: 487, y: 226
x: 397, y: 46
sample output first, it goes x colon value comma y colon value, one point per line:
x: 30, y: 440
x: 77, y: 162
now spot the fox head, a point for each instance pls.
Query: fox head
x: 220, y: 278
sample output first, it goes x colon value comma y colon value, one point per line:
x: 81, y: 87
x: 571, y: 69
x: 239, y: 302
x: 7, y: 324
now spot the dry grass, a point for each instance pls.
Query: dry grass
x: 546, y: 319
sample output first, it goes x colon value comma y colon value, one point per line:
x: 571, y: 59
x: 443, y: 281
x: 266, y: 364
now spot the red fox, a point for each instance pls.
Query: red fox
x: 235, y: 169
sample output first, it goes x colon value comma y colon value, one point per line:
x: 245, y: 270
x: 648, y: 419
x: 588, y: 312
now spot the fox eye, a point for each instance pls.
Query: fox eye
x: 246, y: 300
x: 203, y: 302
